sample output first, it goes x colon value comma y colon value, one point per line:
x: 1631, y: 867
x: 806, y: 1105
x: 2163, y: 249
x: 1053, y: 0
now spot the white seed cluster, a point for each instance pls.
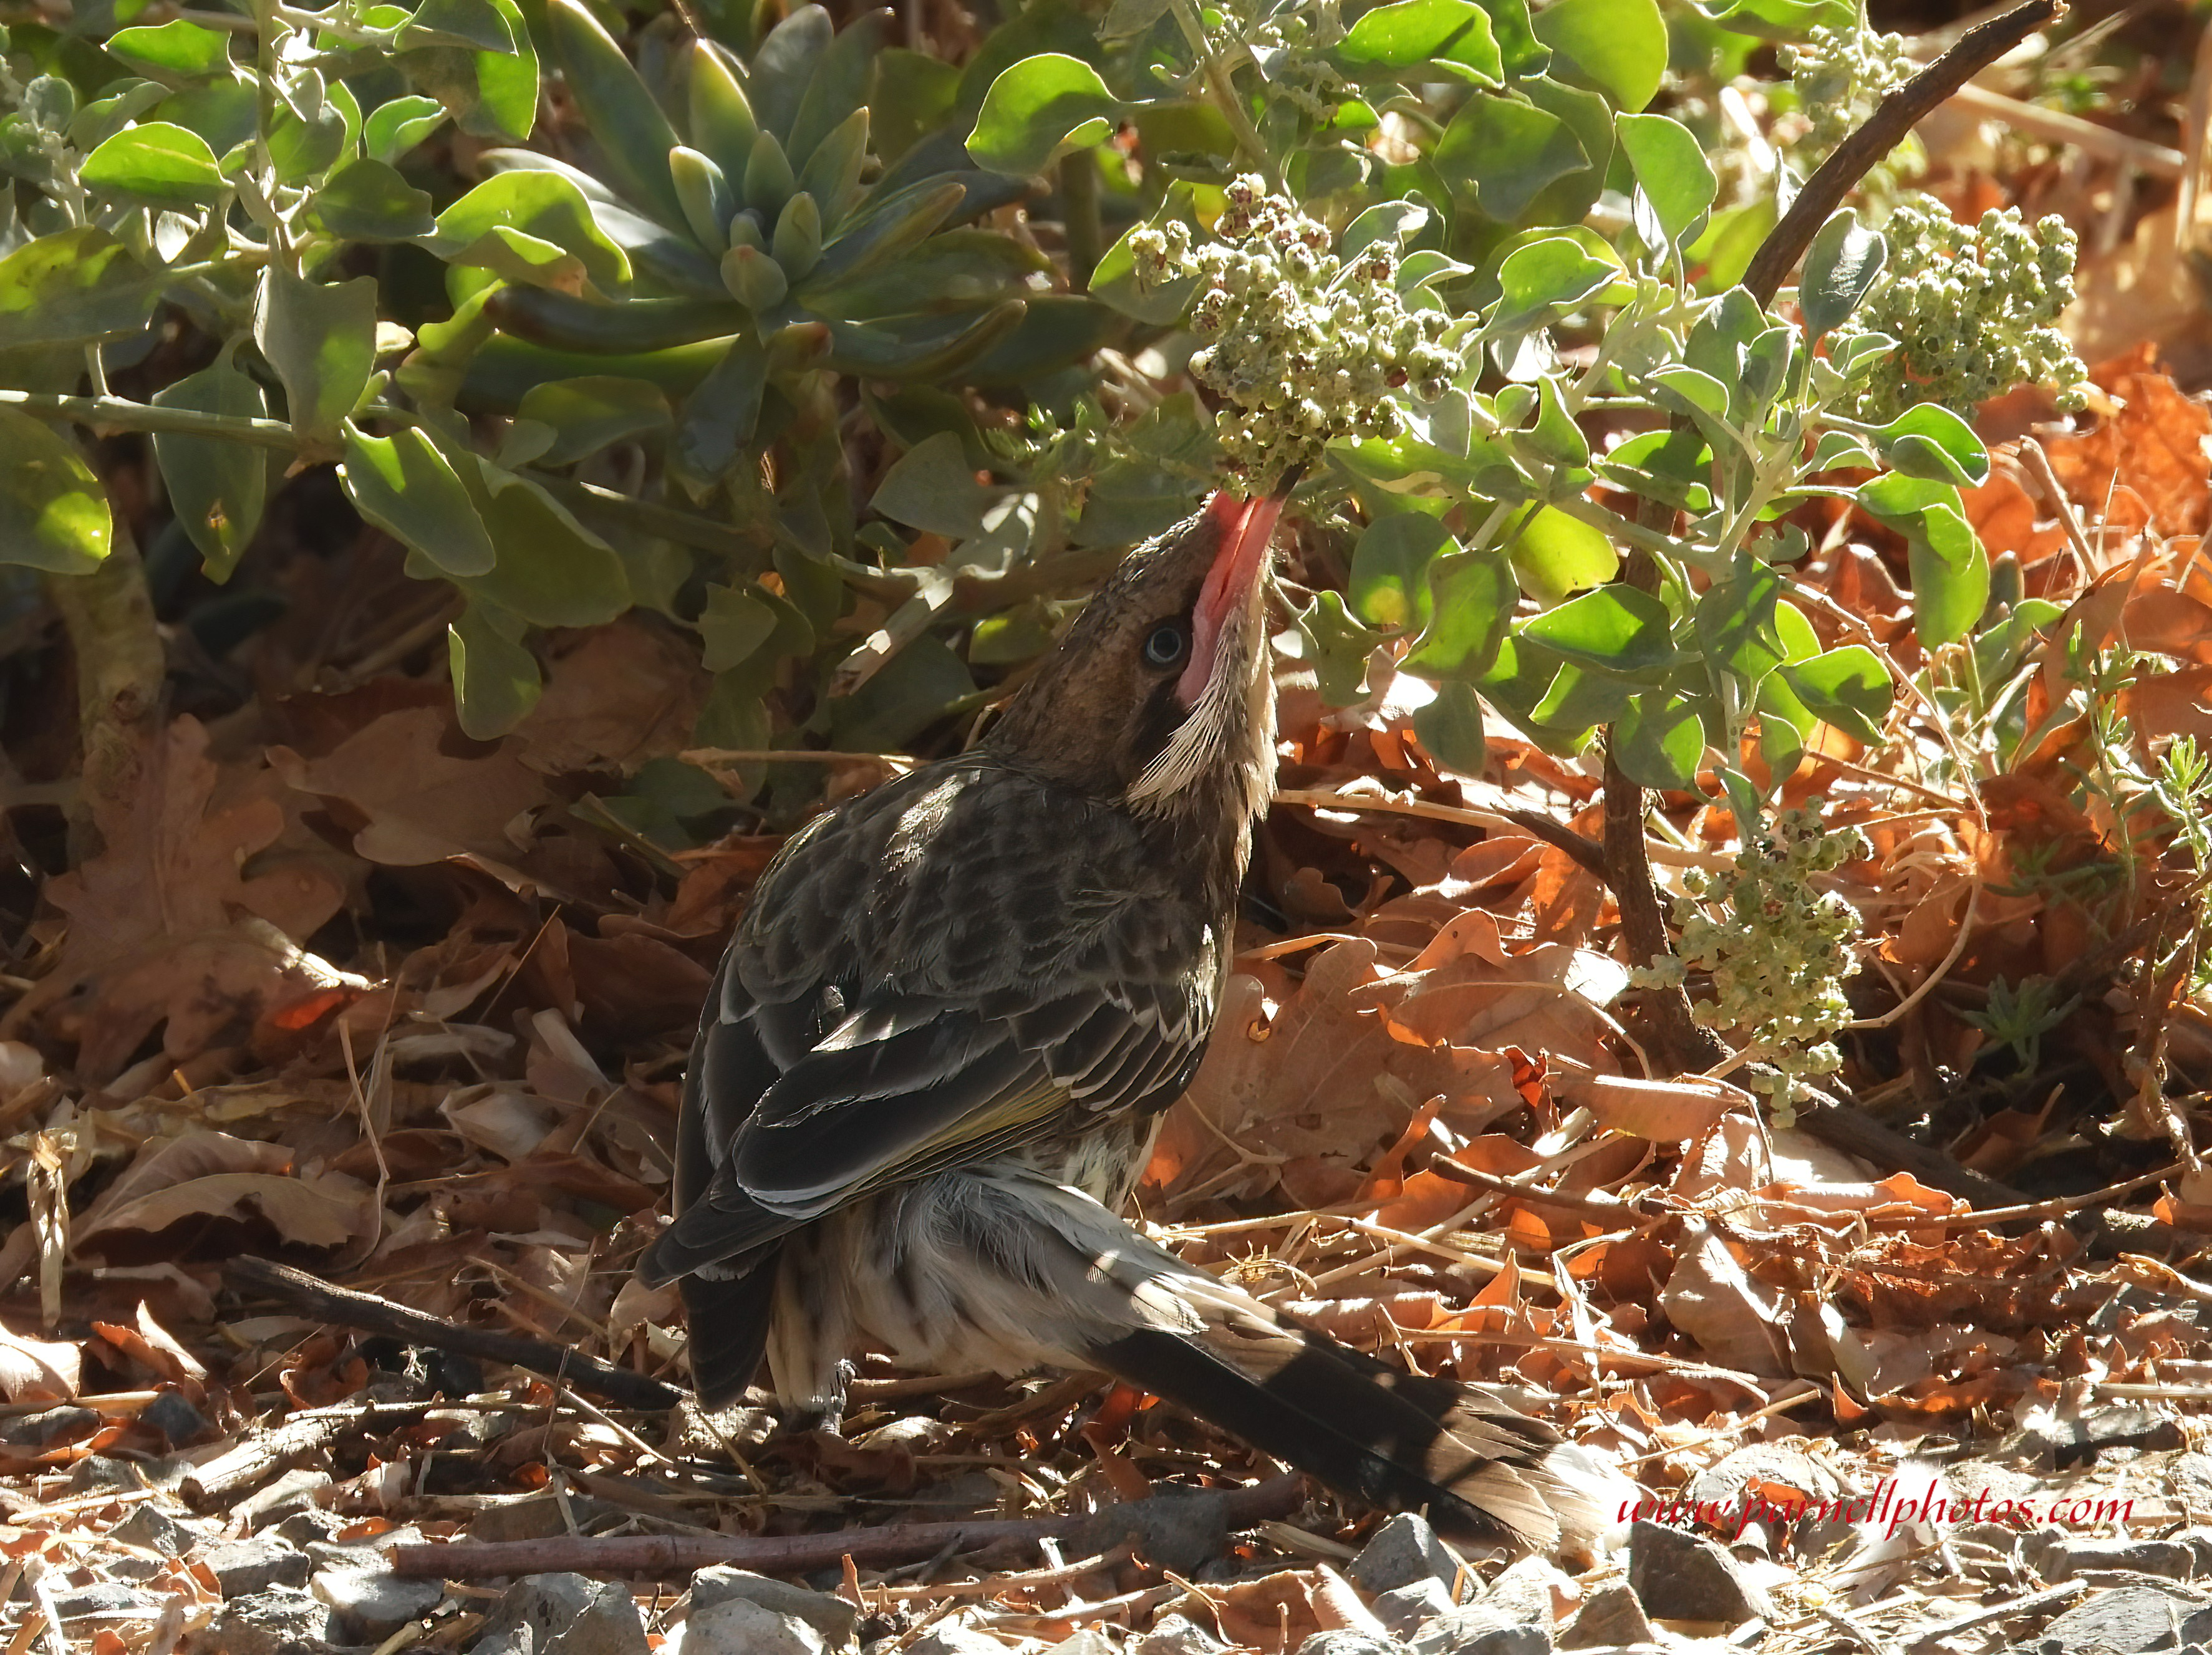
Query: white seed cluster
x: 1972, y: 307
x: 1291, y: 42
x: 1840, y: 75
x: 1300, y: 345
x: 1778, y: 950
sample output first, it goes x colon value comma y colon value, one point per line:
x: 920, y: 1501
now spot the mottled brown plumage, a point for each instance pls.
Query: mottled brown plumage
x: 936, y: 1054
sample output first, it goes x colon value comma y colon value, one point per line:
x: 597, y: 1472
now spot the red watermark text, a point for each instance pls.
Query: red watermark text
x: 1891, y: 1505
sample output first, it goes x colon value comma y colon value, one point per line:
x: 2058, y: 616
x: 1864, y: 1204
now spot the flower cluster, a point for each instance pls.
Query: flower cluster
x: 1776, y: 950
x: 1840, y: 75
x: 1290, y: 41
x: 1301, y: 346
x: 1971, y: 308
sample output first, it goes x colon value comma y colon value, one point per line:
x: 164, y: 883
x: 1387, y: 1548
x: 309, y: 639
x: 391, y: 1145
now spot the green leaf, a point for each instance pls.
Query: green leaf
x: 733, y: 626
x: 1541, y: 276
x: 321, y: 339
x: 1670, y: 169
x: 216, y: 486
x: 75, y: 287
x: 1555, y: 555
x: 490, y: 93
x: 1950, y: 571
x: 1850, y: 688
x: 1411, y: 34
x: 1781, y: 19
x: 1389, y: 582
x: 843, y: 76
x: 784, y: 65
x: 1114, y: 282
x: 495, y: 679
x: 475, y: 24
x: 368, y: 201
x: 158, y: 165
x: 1724, y: 250
x: 1929, y: 441
x: 1621, y: 44
x: 534, y: 228
x: 1338, y: 647
x: 1837, y: 449
x: 1506, y: 151
x: 1737, y: 621
x: 179, y: 48
x: 1450, y: 729
x: 1041, y: 108
x: 551, y: 571
x: 585, y: 414
x: 405, y: 486
x: 397, y: 124
x: 1841, y: 267
x: 54, y: 516
x: 934, y: 488
x: 1472, y: 600
x: 1615, y: 629
x: 1660, y: 741
x: 634, y: 136
x: 722, y: 123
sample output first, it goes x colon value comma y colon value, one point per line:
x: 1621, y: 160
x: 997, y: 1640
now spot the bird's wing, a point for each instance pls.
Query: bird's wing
x: 900, y: 1047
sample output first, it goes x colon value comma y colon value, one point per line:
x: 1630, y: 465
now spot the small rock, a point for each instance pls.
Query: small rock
x: 102, y: 1598
x: 739, y: 1626
x: 1680, y: 1576
x: 1522, y: 1637
x: 2128, y: 1620
x: 956, y: 1634
x: 1088, y: 1641
x: 311, y: 1528
x: 51, y: 1426
x: 1610, y: 1616
x: 1342, y: 1642
x: 151, y: 1527
x: 564, y: 1615
x: 2062, y: 1556
x: 278, y: 1621
x: 367, y: 1551
x: 243, y: 1567
x: 1176, y: 1634
x: 375, y: 1603
x: 294, y: 1492
x: 1404, y: 1610
x: 1513, y: 1617
x: 175, y: 1419
x: 96, y: 1473
x: 833, y: 1618
x: 1404, y: 1550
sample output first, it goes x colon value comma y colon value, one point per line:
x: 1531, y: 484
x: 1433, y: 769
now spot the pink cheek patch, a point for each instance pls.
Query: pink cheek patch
x: 1248, y: 527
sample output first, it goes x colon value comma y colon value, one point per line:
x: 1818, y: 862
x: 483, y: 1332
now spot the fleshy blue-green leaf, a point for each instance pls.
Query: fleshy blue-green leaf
x: 1614, y: 629
x: 368, y: 201
x: 1929, y: 441
x: 1473, y: 596
x: 1506, y: 151
x: 1850, y: 688
x: 179, y: 48
x: 74, y: 287
x: 535, y: 228
x: 495, y: 679
x: 1413, y: 33
x: 1390, y: 581
x: 1841, y: 267
x: 1451, y: 729
x: 1660, y: 741
x: 1556, y: 555
x: 397, y: 124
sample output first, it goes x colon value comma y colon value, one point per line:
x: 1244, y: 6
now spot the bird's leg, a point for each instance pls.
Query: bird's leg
x: 826, y: 1410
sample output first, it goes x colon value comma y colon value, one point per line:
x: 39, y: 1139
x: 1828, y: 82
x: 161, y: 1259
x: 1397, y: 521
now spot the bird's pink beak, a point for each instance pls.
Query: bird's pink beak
x: 1246, y: 529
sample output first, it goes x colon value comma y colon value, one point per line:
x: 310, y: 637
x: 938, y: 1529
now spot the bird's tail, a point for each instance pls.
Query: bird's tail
x: 1479, y: 1469
x: 1086, y: 1289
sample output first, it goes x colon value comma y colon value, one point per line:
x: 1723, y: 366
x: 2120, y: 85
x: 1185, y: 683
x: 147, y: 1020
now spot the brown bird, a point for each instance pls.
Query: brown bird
x: 935, y: 1058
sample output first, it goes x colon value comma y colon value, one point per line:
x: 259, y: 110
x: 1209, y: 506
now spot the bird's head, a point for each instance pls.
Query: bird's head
x: 1159, y: 695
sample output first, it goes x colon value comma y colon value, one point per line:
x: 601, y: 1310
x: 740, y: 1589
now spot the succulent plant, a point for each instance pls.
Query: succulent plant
x: 762, y: 241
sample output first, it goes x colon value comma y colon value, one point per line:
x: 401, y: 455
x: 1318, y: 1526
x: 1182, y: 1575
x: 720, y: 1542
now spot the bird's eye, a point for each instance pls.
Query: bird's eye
x: 1168, y: 645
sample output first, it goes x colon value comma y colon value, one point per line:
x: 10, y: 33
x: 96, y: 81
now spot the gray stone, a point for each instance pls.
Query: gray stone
x: 2062, y: 1556
x: 567, y: 1614
x: 1680, y: 1576
x: 373, y: 1604
x: 370, y: 1551
x: 283, y: 1621
x: 1088, y: 1641
x: 49, y: 1426
x: 175, y: 1419
x: 833, y: 1618
x: 151, y: 1527
x: 102, y: 1598
x: 1346, y: 1642
x: 1178, y: 1634
x: 311, y: 1527
x: 2128, y: 1620
x: 96, y: 1473
x: 1609, y: 1615
x: 956, y: 1634
x: 292, y: 1494
x: 1404, y: 1610
x: 243, y: 1567
x: 1404, y: 1550
x: 1512, y: 1617
x: 741, y: 1626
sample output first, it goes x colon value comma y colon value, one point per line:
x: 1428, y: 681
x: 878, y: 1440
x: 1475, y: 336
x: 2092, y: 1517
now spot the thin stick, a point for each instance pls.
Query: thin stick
x: 347, y: 1307
x: 898, y: 1543
x: 1897, y: 115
